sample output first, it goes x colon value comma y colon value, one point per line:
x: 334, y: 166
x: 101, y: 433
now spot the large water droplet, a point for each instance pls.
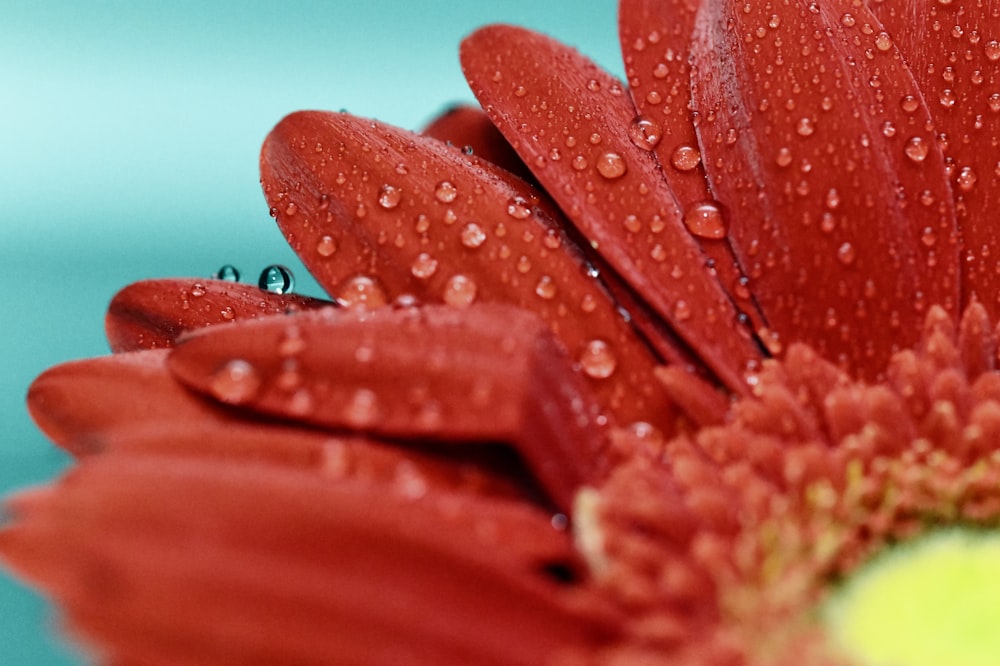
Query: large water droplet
x: 236, y: 382
x: 598, y: 360
x: 645, y: 133
x: 473, y: 235
x: 685, y: 157
x: 460, y: 290
x: 916, y: 149
x: 423, y: 266
x: 611, y: 165
x: 389, y: 197
x: 705, y: 220
x: 445, y: 192
x: 326, y: 246
x: 361, y: 290
x: 227, y: 273
x: 546, y: 287
x: 517, y: 208
x: 276, y: 279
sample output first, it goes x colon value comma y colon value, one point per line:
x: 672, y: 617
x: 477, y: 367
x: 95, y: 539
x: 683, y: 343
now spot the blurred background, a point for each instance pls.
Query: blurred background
x: 129, y: 135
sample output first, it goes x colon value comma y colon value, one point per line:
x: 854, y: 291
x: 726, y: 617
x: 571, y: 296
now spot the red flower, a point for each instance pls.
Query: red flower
x: 639, y: 391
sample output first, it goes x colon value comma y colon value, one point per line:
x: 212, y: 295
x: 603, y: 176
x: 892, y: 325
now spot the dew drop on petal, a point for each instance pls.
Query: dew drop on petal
x: 685, y: 157
x: 276, y: 279
x: 227, y: 313
x: 361, y: 290
x: 705, y: 220
x: 784, y: 157
x: 326, y: 246
x: 517, y: 208
x: 598, y: 360
x: 473, y: 235
x: 805, y: 127
x: 362, y: 409
x: 460, y: 290
x: 197, y: 290
x: 236, y: 382
x: 424, y: 266
x: 966, y: 179
x: 228, y: 273
x: 389, y: 197
x: 611, y: 165
x: 916, y: 149
x: 682, y: 310
x: 909, y: 103
x: 546, y: 287
x: 645, y: 133
x: 846, y: 254
x: 445, y: 191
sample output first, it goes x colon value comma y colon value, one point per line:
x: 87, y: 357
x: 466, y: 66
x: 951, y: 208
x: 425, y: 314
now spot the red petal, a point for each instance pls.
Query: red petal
x: 152, y: 313
x: 378, y: 214
x: 487, y: 374
x: 470, y: 129
x: 129, y: 403
x: 571, y: 122
x: 840, y: 211
x: 952, y: 50
x: 656, y: 40
x: 178, y: 561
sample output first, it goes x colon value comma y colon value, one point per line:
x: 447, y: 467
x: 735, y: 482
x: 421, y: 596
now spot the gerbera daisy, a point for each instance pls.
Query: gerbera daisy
x: 690, y: 369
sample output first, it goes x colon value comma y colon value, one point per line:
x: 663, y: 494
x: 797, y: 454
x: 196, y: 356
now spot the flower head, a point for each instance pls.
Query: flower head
x: 610, y: 374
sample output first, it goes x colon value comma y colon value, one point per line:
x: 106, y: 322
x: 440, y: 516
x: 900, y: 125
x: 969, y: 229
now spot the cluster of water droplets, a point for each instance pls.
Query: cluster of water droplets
x: 275, y: 279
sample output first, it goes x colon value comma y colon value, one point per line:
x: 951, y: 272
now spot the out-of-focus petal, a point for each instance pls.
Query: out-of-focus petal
x: 840, y: 209
x: 469, y: 128
x: 152, y: 313
x: 573, y: 125
x: 655, y: 38
x: 130, y: 403
x: 378, y: 214
x: 952, y: 48
x: 183, y: 561
x: 484, y: 374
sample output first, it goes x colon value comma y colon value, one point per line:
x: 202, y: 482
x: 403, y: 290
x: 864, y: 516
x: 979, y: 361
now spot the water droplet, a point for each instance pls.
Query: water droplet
x: 517, y: 208
x: 228, y: 313
x: 460, y: 290
x: 197, y: 290
x: 523, y: 264
x: 805, y: 127
x: 846, y: 254
x: 966, y: 179
x: 291, y: 208
x: 909, y: 103
x: 389, y: 197
x: 276, y: 279
x: 423, y: 266
x: 362, y: 409
x: 784, y: 157
x: 361, y: 290
x: 236, y: 382
x: 644, y: 133
x: 473, y: 235
x: 611, y: 165
x: 445, y: 192
x: 228, y: 273
x: 682, y: 310
x: 598, y: 360
x: 685, y: 157
x: 546, y: 287
x: 705, y: 220
x: 883, y: 42
x: 992, y: 50
x: 916, y: 149
x: 326, y: 246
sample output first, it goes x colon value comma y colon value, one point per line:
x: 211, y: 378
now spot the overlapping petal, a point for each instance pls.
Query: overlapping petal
x: 573, y: 125
x: 378, y: 214
x: 839, y: 206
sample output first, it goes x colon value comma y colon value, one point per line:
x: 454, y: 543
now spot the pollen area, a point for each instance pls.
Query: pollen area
x: 928, y: 602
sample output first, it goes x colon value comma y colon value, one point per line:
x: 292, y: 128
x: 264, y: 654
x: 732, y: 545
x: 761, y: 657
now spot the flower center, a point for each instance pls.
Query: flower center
x: 931, y: 601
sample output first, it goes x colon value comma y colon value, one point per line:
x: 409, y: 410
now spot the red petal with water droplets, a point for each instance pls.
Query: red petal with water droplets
x: 163, y: 560
x: 486, y: 374
x: 152, y: 313
x: 379, y: 214
x: 571, y: 121
x: 840, y: 211
x: 656, y: 39
x: 952, y: 49
x: 130, y: 403
x: 468, y: 128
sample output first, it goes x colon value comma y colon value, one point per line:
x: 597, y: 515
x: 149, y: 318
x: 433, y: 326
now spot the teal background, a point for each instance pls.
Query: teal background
x: 129, y: 134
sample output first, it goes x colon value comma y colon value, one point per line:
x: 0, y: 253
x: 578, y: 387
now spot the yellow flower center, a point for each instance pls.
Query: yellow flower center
x: 930, y: 602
